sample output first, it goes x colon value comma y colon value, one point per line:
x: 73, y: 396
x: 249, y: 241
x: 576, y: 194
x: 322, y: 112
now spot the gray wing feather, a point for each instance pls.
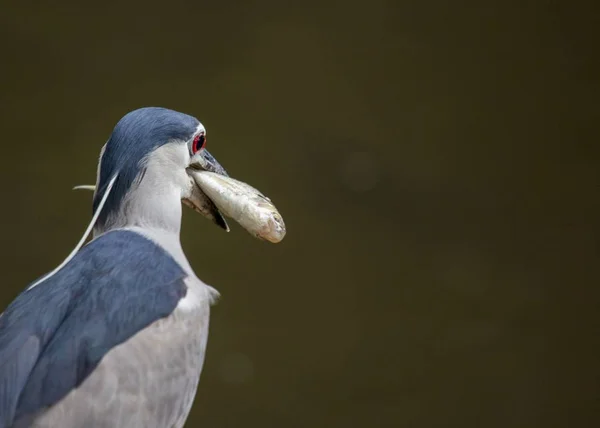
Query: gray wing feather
x: 14, y: 370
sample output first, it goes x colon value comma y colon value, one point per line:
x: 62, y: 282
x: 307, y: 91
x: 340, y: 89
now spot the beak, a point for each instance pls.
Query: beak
x: 207, y: 162
x: 198, y: 200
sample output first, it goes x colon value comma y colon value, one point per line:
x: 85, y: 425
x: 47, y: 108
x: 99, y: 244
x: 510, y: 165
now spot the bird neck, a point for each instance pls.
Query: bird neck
x: 155, y: 215
x: 151, y: 205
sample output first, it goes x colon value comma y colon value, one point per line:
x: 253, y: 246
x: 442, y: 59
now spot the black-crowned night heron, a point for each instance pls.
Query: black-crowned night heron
x: 115, y: 336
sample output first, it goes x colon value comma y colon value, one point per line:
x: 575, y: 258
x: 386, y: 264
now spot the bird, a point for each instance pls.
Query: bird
x: 116, y: 335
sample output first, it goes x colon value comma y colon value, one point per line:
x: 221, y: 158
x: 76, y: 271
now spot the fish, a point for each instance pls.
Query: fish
x: 244, y: 204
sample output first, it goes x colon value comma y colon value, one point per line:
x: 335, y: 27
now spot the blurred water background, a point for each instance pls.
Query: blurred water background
x: 436, y: 164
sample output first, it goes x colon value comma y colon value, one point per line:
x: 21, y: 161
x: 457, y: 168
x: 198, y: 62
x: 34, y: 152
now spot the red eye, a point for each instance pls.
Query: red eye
x: 199, y: 143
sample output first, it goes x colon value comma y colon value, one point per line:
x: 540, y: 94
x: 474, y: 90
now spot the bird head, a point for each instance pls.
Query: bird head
x: 146, y: 169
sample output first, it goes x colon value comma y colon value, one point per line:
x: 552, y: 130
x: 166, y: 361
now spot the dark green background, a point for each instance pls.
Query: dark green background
x: 436, y: 165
